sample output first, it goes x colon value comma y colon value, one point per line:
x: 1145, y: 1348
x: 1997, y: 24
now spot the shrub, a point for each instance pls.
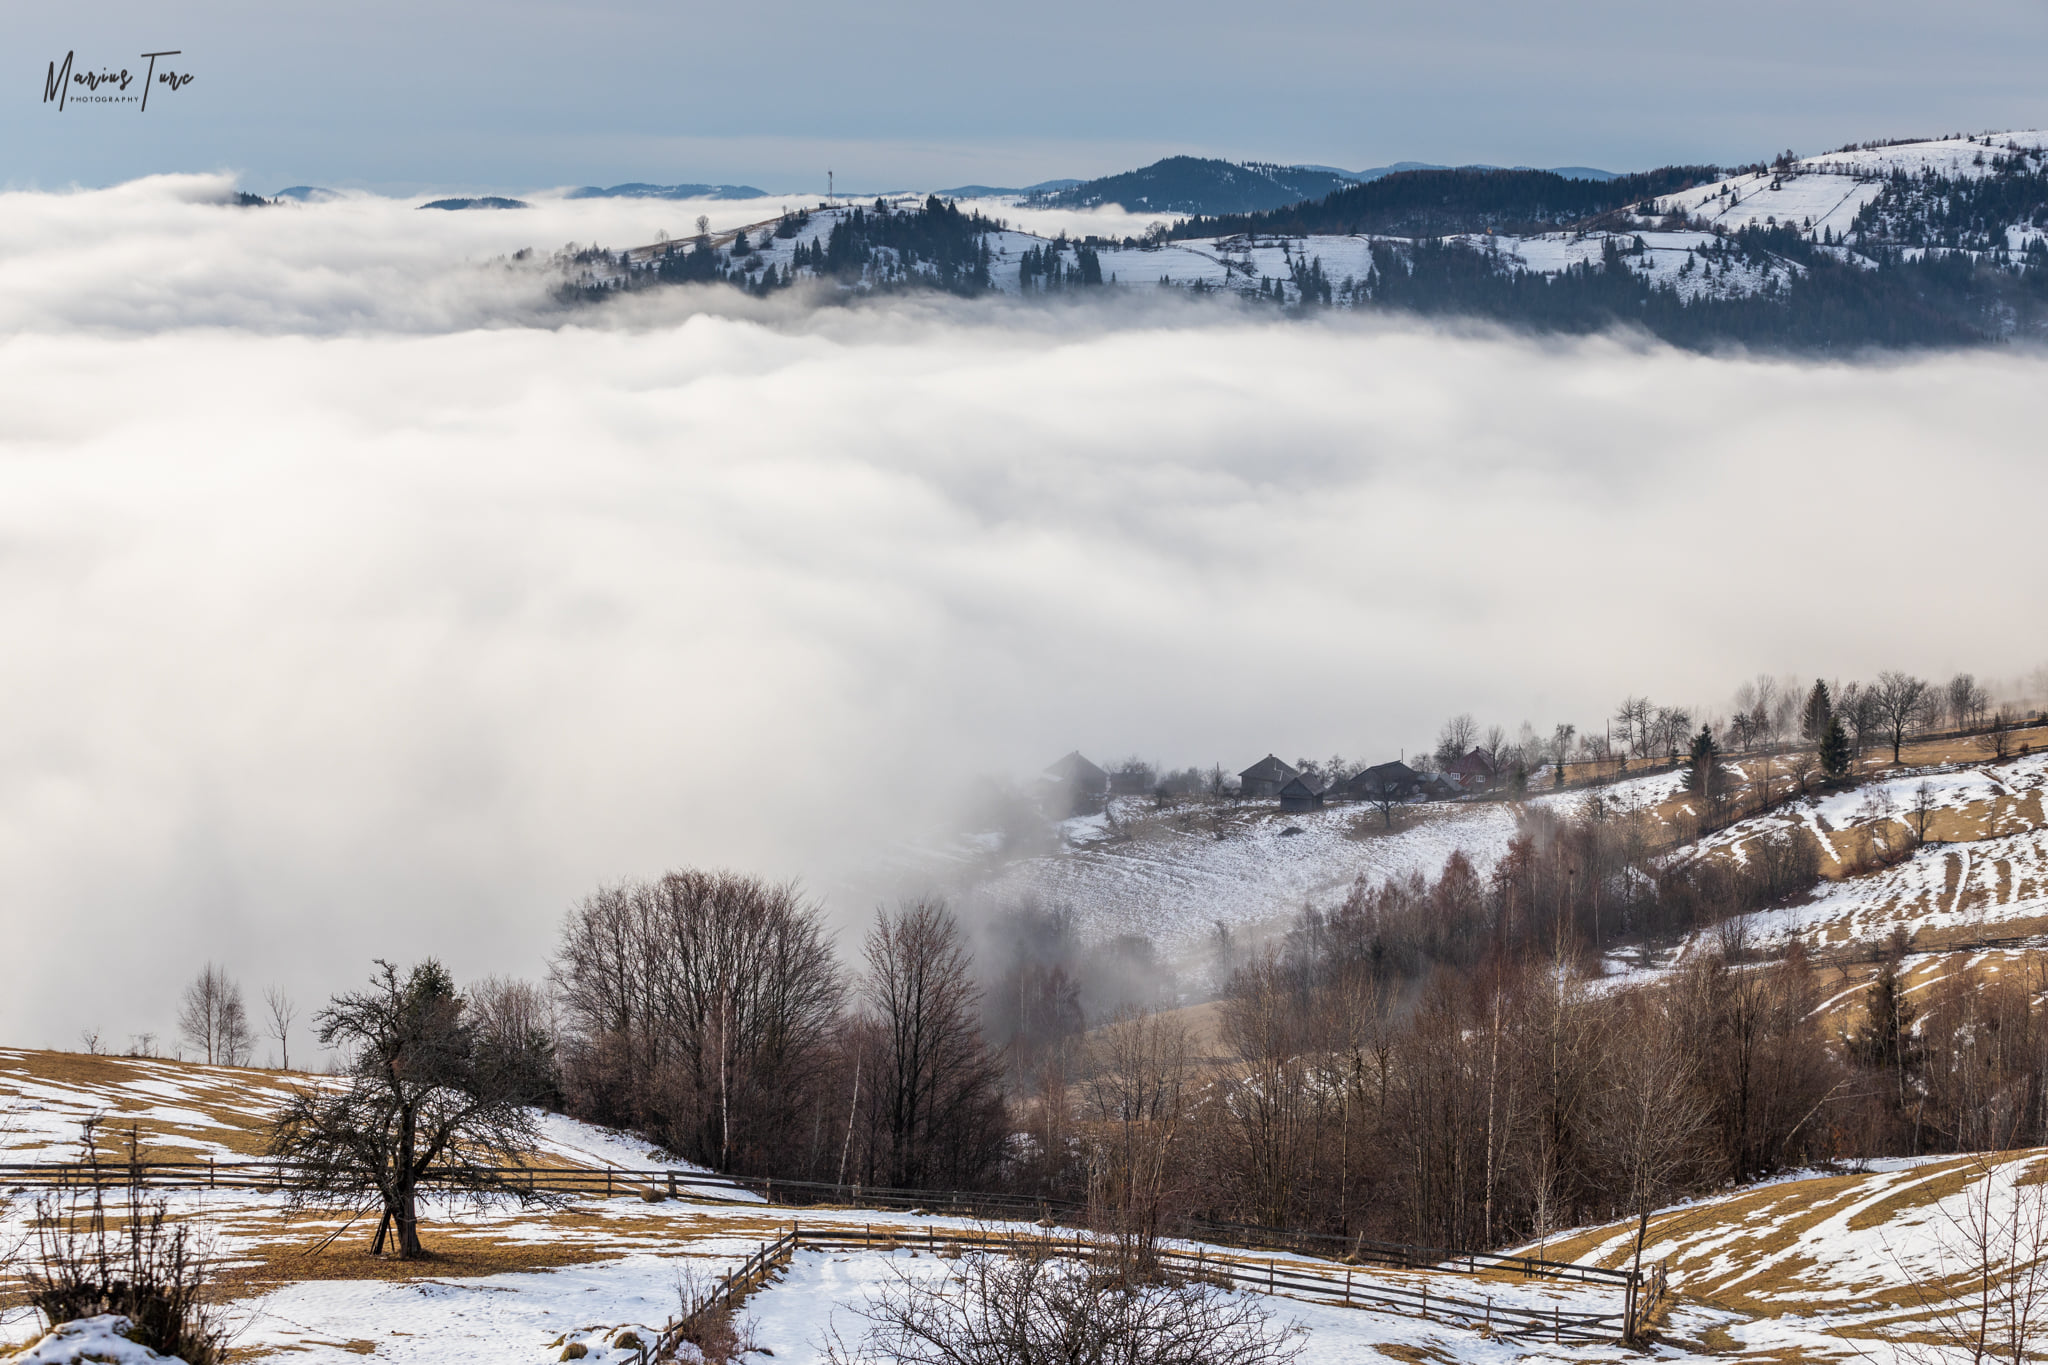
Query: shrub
x: 1038, y: 1308
x: 85, y: 1261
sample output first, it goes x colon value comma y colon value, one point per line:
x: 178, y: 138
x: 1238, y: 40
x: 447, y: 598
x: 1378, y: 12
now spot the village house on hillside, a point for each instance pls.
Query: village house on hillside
x: 1301, y: 792
x: 1265, y: 778
x: 1077, y: 786
x: 1475, y: 772
x: 1383, y: 782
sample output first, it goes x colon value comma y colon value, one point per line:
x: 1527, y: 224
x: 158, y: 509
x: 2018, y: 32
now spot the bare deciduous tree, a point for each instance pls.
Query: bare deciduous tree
x: 1901, y: 702
x: 1921, y: 814
x: 213, y: 1019
x: 1648, y: 1119
x: 281, y: 1011
x: 425, y: 1101
x: 1456, y: 739
x: 1965, y: 700
x: 936, y: 1097
x: 1989, y: 1299
x: 1998, y: 738
x: 700, y: 1008
x: 1139, y: 1088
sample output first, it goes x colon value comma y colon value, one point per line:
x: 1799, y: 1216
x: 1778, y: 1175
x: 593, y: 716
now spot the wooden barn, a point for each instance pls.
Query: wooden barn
x: 1265, y: 778
x: 1383, y: 782
x: 1301, y: 793
x: 1078, y: 786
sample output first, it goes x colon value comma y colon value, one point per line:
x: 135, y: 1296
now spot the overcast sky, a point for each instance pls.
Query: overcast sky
x: 430, y: 94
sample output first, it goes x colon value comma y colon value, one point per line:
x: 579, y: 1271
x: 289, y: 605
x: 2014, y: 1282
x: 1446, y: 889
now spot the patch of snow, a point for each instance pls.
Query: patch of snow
x: 101, y: 1340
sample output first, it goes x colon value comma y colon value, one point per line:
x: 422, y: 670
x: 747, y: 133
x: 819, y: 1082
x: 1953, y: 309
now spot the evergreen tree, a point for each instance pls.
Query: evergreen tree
x: 1885, y: 1042
x: 1834, y: 749
x: 1820, y: 710
x: 1703, y: 773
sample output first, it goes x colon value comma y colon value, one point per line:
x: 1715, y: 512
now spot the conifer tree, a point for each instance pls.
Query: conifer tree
x: 1703, y: 764
x: 1885, y: 1042
x: 1834, y: 749
x: 1820, y: 710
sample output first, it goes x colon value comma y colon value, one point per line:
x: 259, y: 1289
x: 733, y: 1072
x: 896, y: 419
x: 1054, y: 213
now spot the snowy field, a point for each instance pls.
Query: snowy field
x: 1829, y: 1267
x: 1823, y: 1267
x: 1985, y: 863
x: 620, y: 1262
x: 182, y: 1111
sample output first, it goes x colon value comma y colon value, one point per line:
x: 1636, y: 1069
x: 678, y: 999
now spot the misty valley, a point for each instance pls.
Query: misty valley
x: 1227, y: 763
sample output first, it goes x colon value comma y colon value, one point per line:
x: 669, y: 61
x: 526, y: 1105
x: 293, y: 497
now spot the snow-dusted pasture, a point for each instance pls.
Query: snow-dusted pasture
x: 1826, y: 1267
x: 1984, y: 865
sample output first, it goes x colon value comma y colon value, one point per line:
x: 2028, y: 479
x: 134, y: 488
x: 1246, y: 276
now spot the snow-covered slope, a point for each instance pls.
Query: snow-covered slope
x: 1172, y: 876
x: 1982, y: 870
x: 1670, y: 241
x: 1837, y: 1267
x: 186, y: 1111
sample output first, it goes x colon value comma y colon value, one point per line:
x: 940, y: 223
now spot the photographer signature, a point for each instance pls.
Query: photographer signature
x: 57, y: 85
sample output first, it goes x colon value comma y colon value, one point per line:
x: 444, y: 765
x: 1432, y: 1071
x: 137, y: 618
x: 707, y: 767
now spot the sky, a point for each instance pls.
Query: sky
x: 430, y: 94
x: 360, y: 602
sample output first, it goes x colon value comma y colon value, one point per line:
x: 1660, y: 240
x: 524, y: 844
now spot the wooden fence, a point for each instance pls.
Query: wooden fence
x: 657, y: 1184
x: 1468, y: 1308
x: 668, y: 1183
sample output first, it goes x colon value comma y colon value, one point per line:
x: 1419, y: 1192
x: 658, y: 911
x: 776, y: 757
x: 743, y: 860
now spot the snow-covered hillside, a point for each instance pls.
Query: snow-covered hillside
x: 1820, y: 196
x: 1172, y: 876
x: 185, y: 1111
x: 1672, y: 241
x: 1982, y: 870
x: 1859, y: 1266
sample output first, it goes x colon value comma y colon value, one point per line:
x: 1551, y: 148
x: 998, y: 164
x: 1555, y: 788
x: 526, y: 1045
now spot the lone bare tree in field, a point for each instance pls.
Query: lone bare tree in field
x: 282, y: 1011
x: 1901, y: 701
x: 213, y: 1019
x: 425, y: 1100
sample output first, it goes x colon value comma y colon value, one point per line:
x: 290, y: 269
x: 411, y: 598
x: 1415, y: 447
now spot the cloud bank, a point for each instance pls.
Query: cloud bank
x: 357, y: 605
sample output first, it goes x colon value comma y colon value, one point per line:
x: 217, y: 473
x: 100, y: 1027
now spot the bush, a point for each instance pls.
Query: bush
x: 134, y: 1262
x: 1039, y: 1308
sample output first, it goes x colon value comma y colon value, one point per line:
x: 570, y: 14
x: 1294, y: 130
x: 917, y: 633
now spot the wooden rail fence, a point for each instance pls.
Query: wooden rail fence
x: 613, y: 1182
x: 1468, y: 1308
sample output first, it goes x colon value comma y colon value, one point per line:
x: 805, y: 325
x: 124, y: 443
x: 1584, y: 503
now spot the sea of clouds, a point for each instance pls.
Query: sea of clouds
x: 360, y: 599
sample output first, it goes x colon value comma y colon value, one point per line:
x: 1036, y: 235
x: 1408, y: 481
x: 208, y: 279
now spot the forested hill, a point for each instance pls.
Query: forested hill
x: 1192, y: 184
x: 1440, y: 203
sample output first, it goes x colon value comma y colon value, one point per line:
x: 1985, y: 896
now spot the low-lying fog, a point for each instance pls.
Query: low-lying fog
x: 358, y: 603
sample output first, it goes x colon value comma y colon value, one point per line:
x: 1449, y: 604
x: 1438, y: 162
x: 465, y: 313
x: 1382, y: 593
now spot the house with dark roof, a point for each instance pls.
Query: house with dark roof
x: 1265, y: 778
x: 1383, y: 782
x: 1475, y: 772
x: 1077, y: 786
x: 1301, y: 793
